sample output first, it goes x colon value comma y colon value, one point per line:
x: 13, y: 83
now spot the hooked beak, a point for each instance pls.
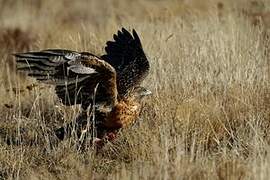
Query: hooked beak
x: 146, y: 93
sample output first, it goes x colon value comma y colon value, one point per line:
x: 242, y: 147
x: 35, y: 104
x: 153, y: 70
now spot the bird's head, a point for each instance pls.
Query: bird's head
x: 140, y: 92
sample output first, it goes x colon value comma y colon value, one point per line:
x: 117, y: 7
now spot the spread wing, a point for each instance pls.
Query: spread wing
x: 75, y: 75
x: 126, y: 55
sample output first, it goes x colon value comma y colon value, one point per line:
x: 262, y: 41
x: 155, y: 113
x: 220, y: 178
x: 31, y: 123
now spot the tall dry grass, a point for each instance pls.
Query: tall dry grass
x: 209, y: 115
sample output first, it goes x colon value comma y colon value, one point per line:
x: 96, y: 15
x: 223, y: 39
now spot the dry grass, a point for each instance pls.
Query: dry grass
x: 209, y: 116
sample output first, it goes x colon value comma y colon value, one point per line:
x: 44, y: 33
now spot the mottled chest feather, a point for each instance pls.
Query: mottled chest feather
x: 123, y: 114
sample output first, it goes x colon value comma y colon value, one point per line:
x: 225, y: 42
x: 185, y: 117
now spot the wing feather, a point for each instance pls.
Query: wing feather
x: 75, y: 75
x: 126, y: 55
x: 81, y: 69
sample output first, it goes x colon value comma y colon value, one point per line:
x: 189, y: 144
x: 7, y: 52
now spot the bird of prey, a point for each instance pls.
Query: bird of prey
x: 110, y: 83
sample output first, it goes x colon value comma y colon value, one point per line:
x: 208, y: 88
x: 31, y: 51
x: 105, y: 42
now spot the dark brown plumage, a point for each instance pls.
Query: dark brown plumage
x: 108, y: 84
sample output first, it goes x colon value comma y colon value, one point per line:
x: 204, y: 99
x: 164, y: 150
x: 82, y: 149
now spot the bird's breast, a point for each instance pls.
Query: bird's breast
x: 122, y: 115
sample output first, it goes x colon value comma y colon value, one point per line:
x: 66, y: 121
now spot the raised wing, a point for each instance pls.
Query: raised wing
x: 126, y: 55
x: 75, y: 75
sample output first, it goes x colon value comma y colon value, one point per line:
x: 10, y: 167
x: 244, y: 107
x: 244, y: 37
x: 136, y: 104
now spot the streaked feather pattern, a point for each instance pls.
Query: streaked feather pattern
x: 77, y: 74
x: 69, y: 71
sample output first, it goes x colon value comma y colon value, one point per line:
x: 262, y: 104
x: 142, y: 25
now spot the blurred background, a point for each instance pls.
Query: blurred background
x: 51, y: 19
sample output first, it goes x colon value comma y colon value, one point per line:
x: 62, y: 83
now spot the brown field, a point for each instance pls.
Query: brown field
x: 208, y: 118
